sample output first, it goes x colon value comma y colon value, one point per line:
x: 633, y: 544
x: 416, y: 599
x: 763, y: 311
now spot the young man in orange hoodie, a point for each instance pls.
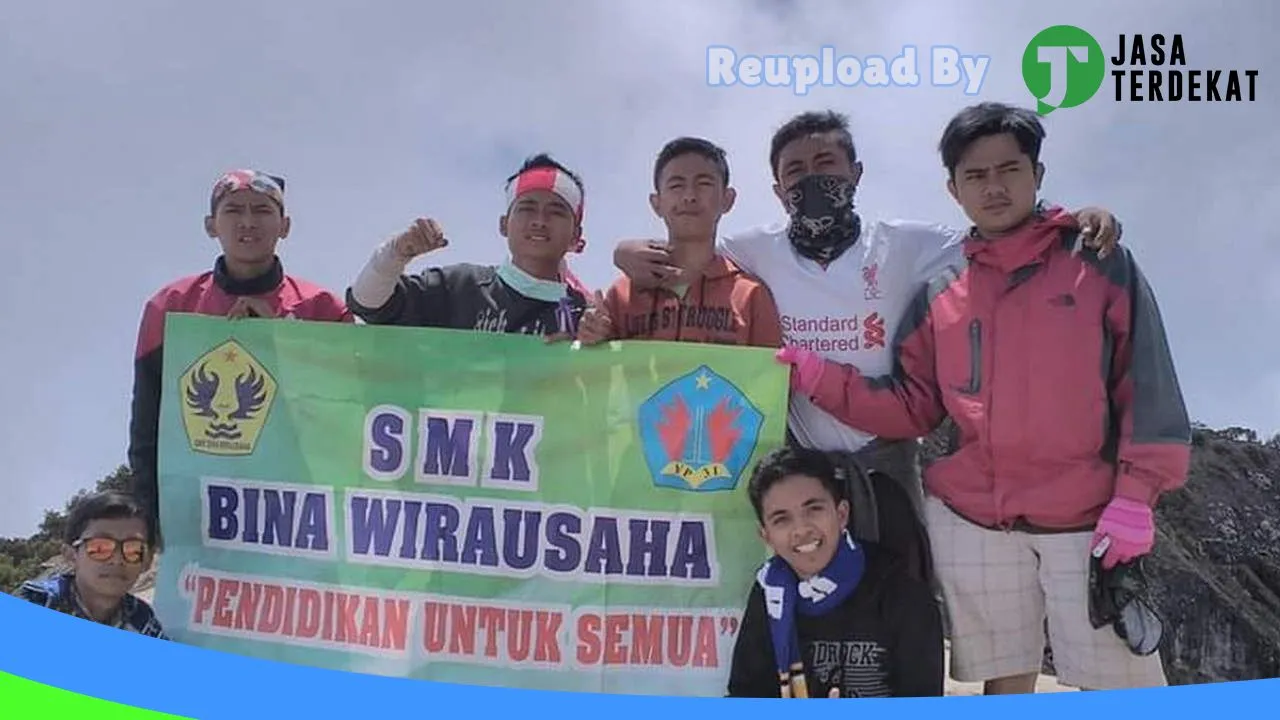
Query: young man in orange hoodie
x: 1060, y: 466
x: 719, y: 303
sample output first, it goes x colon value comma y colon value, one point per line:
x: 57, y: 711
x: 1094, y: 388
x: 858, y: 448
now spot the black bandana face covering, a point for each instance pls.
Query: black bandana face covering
x: 823, y: 223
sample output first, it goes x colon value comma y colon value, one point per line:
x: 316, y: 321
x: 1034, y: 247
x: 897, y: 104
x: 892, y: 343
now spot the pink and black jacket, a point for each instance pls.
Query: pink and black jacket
x: 1056, y: 370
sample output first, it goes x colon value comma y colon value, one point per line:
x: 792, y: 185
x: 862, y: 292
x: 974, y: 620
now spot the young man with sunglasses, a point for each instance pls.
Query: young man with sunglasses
x: 108, y: 543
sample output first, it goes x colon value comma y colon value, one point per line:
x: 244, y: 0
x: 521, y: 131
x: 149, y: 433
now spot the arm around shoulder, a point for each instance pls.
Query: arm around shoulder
x: 752, y: 249
x: 936, y: 248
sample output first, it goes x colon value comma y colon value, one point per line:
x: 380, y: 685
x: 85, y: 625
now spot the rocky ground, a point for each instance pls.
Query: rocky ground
x: 1216, y: 566
x: 1215, y: 571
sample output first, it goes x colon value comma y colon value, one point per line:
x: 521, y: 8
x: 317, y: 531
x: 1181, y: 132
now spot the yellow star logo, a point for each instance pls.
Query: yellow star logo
x: 226, y: 396
x: 703, y: 380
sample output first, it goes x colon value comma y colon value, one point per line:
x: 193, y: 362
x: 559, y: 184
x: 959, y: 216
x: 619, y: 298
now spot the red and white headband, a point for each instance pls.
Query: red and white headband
x: 551, y: 179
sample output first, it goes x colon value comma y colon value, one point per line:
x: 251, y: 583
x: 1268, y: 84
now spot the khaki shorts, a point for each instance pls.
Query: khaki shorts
x: 1000, y: 587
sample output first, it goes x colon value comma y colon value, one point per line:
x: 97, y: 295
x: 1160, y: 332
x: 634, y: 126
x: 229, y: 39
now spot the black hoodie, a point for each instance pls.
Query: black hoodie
x: 885, y: 640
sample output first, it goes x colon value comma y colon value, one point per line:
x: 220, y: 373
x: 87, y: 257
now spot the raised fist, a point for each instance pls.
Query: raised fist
x: 420, y: 238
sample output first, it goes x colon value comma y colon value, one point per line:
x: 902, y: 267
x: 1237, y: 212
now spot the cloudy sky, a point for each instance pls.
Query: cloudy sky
x: 118, y: 116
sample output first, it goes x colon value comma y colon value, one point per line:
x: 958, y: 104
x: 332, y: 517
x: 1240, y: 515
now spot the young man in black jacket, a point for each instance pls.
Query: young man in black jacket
x: 829, y: 616
x: 527, y: 294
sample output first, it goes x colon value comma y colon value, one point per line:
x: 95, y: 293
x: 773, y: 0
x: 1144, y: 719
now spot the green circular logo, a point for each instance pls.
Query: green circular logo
x: 1063, y: 66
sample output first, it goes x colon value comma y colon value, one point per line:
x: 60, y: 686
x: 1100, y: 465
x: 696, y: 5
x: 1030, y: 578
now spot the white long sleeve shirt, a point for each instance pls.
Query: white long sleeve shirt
x: 850, y: 311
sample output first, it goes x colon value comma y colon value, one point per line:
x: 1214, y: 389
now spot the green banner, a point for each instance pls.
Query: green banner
x: 462, y: 506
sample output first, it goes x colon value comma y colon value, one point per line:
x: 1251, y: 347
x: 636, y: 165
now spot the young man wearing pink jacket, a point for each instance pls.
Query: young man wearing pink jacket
x: 1054, y: 366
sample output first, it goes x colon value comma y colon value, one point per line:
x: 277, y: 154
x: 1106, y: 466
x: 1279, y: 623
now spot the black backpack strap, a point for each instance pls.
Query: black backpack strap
x: 881, y: 511
x: 864, y: 506
x: 908, y: 533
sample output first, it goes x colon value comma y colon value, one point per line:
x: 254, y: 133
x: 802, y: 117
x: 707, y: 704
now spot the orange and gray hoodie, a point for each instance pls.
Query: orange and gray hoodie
x: 722, y: 305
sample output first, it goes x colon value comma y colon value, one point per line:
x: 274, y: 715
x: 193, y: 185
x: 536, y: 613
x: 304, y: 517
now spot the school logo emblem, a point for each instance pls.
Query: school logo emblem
x: 226, y: 395
x: 698, y: 432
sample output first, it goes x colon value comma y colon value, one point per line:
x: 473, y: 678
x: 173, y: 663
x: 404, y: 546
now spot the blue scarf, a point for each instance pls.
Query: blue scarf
x: 785, y: 595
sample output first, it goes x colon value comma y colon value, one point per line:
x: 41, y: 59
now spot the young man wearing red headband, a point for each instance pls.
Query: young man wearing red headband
x: 247, y: 217
x: 527, y: 294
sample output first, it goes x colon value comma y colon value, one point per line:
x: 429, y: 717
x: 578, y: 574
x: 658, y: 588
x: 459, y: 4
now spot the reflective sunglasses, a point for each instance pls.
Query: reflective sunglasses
x: 1118, y: 597
x: 103, y: 549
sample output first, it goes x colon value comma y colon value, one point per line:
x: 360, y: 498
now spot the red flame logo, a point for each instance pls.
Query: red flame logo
x: 673, y: 429
x: 720, y: 427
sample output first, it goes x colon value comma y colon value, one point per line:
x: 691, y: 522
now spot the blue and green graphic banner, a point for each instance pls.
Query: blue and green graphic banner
x: 461, y: 506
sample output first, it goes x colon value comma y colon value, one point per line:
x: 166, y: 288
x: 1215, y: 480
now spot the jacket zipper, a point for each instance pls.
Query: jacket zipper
x: 1011, y: 282
x: 975, y: 357
x: 991, y: 413
x: 1021, y: 276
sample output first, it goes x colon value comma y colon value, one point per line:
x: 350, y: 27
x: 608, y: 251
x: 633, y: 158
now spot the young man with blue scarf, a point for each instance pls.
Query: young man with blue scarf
x: 528, y: 294
x: 829, y: 616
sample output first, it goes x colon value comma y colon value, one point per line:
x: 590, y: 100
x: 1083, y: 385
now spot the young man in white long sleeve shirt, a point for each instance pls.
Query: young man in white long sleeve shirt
x: 527, y: 294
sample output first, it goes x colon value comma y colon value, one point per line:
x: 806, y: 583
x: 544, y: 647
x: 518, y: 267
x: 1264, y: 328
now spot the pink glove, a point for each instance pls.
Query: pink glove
x: 1131, y: 529
x: 806, y: 368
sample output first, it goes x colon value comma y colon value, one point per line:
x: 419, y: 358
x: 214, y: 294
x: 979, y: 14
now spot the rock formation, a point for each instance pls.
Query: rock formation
x: 1215, y: 570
